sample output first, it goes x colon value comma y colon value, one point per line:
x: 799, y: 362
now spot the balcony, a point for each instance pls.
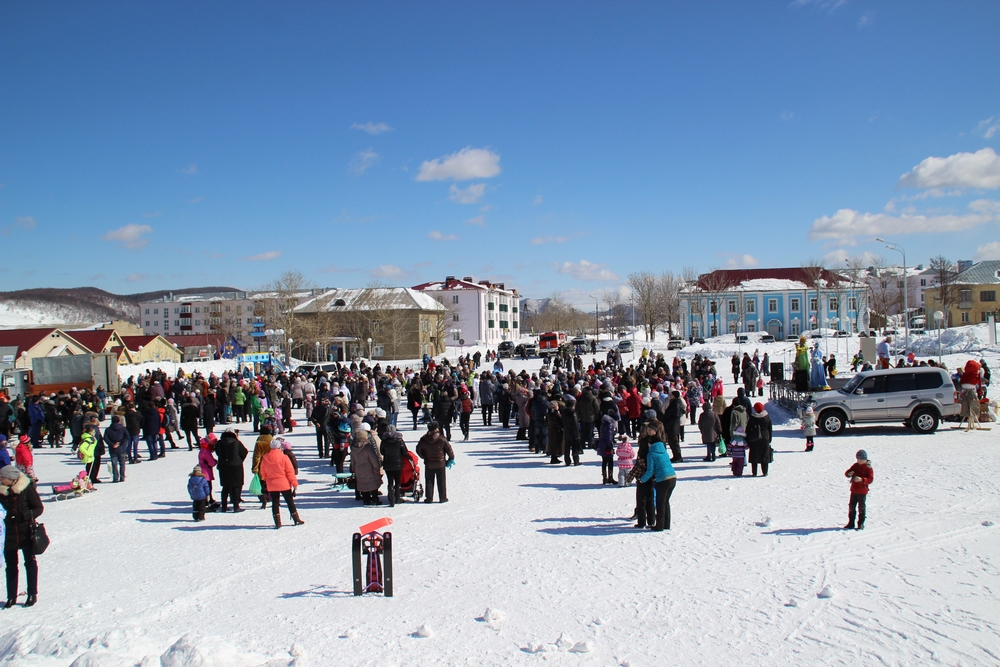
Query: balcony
x: 965, y: 305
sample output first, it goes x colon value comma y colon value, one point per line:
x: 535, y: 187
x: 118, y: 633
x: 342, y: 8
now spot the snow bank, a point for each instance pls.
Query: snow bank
x: 957, y: 340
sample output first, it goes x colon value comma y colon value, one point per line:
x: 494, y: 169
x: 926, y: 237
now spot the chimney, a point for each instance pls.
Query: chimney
x: 449, y: 278
x: 500, y: 286
x: 467, y: 279
x: 484, y: 282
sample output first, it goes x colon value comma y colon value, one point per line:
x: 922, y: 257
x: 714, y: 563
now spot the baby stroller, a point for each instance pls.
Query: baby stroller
x: 409, y: 478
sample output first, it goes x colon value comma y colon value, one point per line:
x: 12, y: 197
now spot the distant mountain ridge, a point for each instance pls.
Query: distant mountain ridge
x: 79, y: 305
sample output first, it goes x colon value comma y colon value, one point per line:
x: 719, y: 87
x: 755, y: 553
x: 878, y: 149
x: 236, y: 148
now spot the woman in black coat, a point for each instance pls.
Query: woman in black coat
x: 231, y: 453
x: 189, y: 422
x: 20, y: 500
x: 394, y: 452
x: 759, y: 438
x: 208, y: 415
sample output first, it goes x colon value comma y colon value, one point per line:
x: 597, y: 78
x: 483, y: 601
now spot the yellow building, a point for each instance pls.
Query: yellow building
x: 973, y: 296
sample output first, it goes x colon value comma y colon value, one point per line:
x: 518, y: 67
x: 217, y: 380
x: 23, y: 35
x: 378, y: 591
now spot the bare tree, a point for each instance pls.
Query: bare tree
x: 614, y: 316
x: 646, y: 289
x: 945, y: 273
x: 856, y: 270
x: 668, y: 294
x: 715, y: 284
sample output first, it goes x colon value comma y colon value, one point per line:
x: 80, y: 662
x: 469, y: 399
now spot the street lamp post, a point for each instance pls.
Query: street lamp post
x: 317, y: 352
x: 369, y: 349
x: 906, y: 311
x: 836, y: 330
x: 288, y: 354
x: 939, y: 318
x: 140, y: 354
x: 597, y: 317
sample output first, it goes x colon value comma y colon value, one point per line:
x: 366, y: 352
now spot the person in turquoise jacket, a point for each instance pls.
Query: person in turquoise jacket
x: 660, y: 470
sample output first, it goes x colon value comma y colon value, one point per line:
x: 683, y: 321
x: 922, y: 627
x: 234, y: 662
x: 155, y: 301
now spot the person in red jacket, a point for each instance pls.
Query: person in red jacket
x: 633, y: 410
x: 861, y: 475
x: 277, y: 473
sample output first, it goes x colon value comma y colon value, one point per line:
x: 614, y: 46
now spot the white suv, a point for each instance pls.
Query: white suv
x: 918, y: 397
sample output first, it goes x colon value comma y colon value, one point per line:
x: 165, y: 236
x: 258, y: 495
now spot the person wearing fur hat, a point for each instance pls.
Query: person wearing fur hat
x: 758, y: 434
x: 861, y: 475
x: 198, y: 489
x: 277, y: 473
x: 809, y: 426
x: 19, y: 499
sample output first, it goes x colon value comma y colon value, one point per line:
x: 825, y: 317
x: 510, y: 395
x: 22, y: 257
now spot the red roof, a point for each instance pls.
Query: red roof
x: 726, y: 278
x: 93, y: 339
x: 133, y: 342
x: 23, y: 339
x: 451, y: 283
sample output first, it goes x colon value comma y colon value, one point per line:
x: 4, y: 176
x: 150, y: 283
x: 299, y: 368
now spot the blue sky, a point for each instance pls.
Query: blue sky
x: 555, y: 146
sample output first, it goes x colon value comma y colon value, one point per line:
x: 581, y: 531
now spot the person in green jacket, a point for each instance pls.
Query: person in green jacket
x: 255, y: 411
x: 239, y: 400
x: 88, y: 443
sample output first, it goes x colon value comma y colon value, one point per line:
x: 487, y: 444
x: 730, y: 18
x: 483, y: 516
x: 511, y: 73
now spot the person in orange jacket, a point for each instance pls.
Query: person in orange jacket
x: 277, y: 473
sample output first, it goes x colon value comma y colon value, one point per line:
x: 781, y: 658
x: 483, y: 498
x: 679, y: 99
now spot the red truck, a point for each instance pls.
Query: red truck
x: 550, y: 342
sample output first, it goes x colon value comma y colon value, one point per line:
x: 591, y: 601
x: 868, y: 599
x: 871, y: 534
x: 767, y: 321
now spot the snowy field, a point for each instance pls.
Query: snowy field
x: 753, y: 571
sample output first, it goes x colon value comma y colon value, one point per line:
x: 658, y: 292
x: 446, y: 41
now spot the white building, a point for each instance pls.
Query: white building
x: 230, y: 313
x: 481, y: 313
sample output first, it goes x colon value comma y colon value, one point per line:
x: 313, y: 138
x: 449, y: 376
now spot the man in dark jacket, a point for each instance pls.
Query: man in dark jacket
x: 133, y: 424
x: 587, y: 407
x: 394, y: 452
x: 444, y: 407
x: 5, y: 413
x: 711, y: 430
x: 672, y: 417
x: 319, y: 418
x: 571, y: 430
x: 231, y: 453
x: 20, y: 500
x: 436, y: 452
x: 151, y: 428
x: 487, y: 397
x: 117, y: 439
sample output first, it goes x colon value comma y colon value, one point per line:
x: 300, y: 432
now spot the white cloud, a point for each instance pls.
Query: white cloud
x: 464, y: 165
x: 130, y: 236
x: 787, y: 115
x: 478, y: 221
x: 826, y: 5
x: 438, y: 236
x: 584, y: 270
x: 961, y: 170
x: 469, y: 195
x: 866, y: 19
x: 846, y: 223
x: 196, y: 200
x: 741, y: 262
x: 387, y: 271
x: 363, y: 161
x: 838, y: 258
x: 371, y: 128
x: 989, y: 127
x: 989, y: 251
x: 24, y: 223
x: 189, y: 170
x: 541, y: 240
x: 262, y: 257
x: 135, y: 277
x: 538, y: 200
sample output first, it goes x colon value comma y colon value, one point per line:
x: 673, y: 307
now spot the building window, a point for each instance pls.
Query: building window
x: 713, y: 307
x: 492, y: 324
x: 374, y: 325
x: 489, y: 306
x: 454, y: 318
x: 197, y: 323
x: 834, y: 304
x: 156, y: 323
x: 176, y: 310
x: 793, y: 305
x: 731, y: 306
x: 147, y: 312
x: 185, y: 309
x: 772, y: 305
x: 177, y: 323
x: 852, y: 304
x: 197, y: 309
x: 990, y: 295
x: 751, y: 306
x: 156, y: 311
x: 503, y: 324
x: 984, y: 317
x: 378, y: 350
x: 813, y: 304
x: 965, y: 298
x: 751, y: 326
x: 454, y: 298
x: 515, y: 324
x: 503, y: 308
x: 513, y: 309
x: 923, y: 282
x: 423, y: 324
x: 147, y: 323
x: 455, y: 335
x: 965, y: 317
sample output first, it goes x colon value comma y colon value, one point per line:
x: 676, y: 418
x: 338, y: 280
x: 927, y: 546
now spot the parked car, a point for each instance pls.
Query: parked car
x: 918, y: 397
x: 918, y: 332
x: 699, y: 340
x: 675, y: 344
x: 530, y: 349
x: 766, y: 338
x: 580, y: 341
x: 814, y: 335
x: 625, y: 346
x: 841, y: 334
x: 742, y: 339
x: 505, y: 349
x: 792, y: 337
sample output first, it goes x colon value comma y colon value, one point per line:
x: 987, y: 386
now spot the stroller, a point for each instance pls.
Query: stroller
x: 409, y: 478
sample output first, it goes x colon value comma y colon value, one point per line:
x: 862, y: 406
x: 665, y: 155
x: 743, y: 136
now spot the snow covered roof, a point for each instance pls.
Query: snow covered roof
x: 727, y: 279
x: 370, y: 298
x: 451, y: 283
x: 771, y: 285
x: 983, y: 273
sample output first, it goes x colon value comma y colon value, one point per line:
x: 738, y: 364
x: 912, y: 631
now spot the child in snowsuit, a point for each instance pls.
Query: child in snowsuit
x: 809, y: 427
x: 606, y: 447
x: 198, y: 490
x: 626, y: 459
x: 861, y: 475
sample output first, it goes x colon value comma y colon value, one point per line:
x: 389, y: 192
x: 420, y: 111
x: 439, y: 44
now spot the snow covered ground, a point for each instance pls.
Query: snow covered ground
x: 530, y: 561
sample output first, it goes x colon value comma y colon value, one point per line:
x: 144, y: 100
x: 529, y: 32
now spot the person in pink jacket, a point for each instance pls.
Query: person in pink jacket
x: 207, y: 461
x: 277, y: 473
